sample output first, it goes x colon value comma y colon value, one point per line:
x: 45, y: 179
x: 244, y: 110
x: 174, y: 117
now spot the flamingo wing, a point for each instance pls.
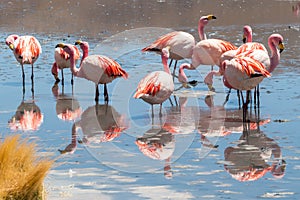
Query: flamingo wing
x: 148, y: 86
x: 160, y: 42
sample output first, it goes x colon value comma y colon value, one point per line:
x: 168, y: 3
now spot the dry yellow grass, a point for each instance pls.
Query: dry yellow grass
x: 22, y: 171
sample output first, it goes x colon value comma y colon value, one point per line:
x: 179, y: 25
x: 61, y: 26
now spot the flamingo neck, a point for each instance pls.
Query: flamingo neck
x: 275, y: 56
x: 201, y: 33
x: 249, y: 37
x: 73, y: 68
x: 182, y: 78
x: 85, y: 49
x: 165, y: 63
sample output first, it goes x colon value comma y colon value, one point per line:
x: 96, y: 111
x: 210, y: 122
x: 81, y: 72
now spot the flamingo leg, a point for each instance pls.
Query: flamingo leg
x: 170, y: 64
x: 72, y: 79
x: 227, y: 97
x: 23, y: 76
x: 105, y: 94
x: 160, y: 109
x: 32, y: 88
x: 62, y: 77
x: 32, y: 72
x: 245, y: 105
x: 174, y: 69
x: 97, y: 94
x: 152, y: 114
x: 257, y: 96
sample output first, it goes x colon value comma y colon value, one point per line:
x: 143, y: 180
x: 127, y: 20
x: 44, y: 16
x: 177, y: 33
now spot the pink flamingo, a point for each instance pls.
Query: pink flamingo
x: 26, y: 49
x: 157, y: 86
x: 96, y: 68
x: 247, y: 46
x: 62, y: 60
x: 180, y: 42
x: 236, y: 77
x: 206, y: 52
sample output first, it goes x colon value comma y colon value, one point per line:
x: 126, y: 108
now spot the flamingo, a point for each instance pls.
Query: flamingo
x: 157, y: 86
x: 206, y: 52
x: 62, y: 60
x: 181, y: 43
x: 237, y: 73
x: 96, y: 68
x: 26, y: 49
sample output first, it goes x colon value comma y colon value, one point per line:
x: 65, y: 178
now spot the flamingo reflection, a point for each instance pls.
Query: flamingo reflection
x: 98, y: 123
x: 182, y: 119
x: 158, y: 144
x: 28, y: 117
x: 67, y: 107
x: 254, y: 156
x: 296, y: 9
x: 221, y: 122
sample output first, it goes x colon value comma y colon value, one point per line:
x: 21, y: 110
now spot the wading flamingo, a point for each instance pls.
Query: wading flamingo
x: 236, y: 77
x: 96, y: 68
x: 157, y: 86
x: 180, y: 42
x: 247, y: 46
x: 26, y: 49
x: 62, y: 60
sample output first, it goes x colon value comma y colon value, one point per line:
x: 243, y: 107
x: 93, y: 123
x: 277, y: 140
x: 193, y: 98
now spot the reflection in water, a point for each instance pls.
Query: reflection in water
x: 296, y: 9
x: 218, y: 121
x: 158, y: 144
x: 67, y: 107
x: 28, y: 117
x: 254, y: 156
x: 182, y: 119
x: 99, y: 123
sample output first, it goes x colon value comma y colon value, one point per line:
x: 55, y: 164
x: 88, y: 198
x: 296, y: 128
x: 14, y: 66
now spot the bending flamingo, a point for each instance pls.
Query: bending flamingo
x: 62, y: 60
x: 181, y: 43
x: 206, y: 52
x: 157, y: 86
x: 26, y: 49
x: 96, y: 68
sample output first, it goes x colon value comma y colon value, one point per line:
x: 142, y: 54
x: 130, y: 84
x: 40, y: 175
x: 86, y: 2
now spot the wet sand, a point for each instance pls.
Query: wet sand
x: 94, y: 18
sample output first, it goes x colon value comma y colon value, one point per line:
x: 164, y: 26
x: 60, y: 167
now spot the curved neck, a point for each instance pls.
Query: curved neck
x: 73, y: 68
x: 85, y: 50
x: 275, y: 56
x: 201, y: 33
x: 164, y: 59
x: 182, y: 78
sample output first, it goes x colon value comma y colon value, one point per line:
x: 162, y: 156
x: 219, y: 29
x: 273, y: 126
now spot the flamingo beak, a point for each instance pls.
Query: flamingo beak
x: 244, y: 39
x: 281, y: 47
x: 209, y: 17
x: 78, y: 42
x: 61, y: 45
x: 11, y: 46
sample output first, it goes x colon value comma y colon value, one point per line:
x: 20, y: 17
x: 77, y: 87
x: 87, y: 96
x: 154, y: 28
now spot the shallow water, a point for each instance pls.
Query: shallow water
x: 201, y: 144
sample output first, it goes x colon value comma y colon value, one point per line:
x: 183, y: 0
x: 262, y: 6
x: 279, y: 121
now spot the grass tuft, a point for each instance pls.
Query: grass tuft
x: 22, y: 171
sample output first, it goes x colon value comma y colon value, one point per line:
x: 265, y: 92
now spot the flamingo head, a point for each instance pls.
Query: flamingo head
x: 83, y: 45
x: 247, y: 34
x: 10, y: 41
x: 182, y: 78
x: 279, y: 169
x: 166, y: 52
x: 277, y: 39
x: 54, y: 71
x: 204, y: 19
x: 66, y: 47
